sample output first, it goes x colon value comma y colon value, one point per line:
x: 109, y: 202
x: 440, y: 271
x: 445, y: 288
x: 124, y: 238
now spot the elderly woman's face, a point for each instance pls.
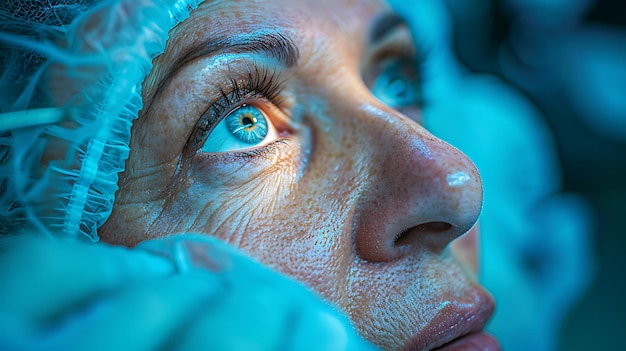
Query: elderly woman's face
x: 290, y: 129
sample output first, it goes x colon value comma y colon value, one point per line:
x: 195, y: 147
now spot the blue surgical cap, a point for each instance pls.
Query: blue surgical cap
x: 86, y: 59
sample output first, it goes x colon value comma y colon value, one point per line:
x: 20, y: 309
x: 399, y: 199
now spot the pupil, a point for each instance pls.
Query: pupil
x: 247, y: 121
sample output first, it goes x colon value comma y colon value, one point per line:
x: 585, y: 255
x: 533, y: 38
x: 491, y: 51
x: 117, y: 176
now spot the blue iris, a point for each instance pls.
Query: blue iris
x: 396, y: 87
x: 247, y: 124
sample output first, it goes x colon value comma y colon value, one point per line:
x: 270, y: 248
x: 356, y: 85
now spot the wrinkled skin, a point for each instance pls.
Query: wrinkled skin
x: 356, y: 200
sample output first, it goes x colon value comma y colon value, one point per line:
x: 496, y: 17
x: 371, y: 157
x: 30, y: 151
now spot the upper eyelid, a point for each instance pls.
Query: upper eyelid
x: 386, y: 24
x: 267, y: 43
x: 399, y: 43
x: 259, y: 82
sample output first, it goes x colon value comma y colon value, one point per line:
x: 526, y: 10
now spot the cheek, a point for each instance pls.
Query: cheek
x: 307, y: 240
x: 231, y: 195
x: 296, y: 225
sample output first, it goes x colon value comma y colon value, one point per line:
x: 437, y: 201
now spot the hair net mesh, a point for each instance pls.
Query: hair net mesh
x: 90, y: 58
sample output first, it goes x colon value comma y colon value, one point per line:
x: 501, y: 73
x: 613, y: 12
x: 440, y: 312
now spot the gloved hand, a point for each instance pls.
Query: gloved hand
x: 186, y: 292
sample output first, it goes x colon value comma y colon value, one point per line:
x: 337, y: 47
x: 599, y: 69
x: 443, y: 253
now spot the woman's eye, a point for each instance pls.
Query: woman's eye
x: 398, y: 85
x: 246, y: 127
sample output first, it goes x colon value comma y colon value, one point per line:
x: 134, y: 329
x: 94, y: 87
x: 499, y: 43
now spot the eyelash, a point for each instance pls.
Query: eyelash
x: 261, y: 83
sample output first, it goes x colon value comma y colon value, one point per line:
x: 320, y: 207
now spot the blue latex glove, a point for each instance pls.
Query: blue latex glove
x: 186, y: 292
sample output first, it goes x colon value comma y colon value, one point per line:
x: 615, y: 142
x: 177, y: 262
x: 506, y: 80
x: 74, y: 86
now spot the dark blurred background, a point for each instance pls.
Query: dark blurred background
x: 569, y: 59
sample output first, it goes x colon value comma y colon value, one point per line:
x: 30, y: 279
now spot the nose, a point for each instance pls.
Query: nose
x: 422, y: 193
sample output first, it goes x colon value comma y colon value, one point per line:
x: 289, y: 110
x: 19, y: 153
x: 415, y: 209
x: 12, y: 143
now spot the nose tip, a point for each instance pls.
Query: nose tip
x: 425, y: 194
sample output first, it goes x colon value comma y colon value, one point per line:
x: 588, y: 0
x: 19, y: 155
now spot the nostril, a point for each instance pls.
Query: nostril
x: 406, y: 236
x: 434, y: 227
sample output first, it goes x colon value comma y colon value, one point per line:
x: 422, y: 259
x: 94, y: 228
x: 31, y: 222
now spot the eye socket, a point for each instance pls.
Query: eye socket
x: 398, y: 84
x: 245, y: 127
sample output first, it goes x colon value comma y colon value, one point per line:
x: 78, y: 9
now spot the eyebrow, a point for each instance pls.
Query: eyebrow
x: 386, y: 23
x: 268, y: 42
x: 265, y: 42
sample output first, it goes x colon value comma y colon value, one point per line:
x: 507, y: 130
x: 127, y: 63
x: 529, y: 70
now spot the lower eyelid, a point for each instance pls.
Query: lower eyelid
x: 264, y: 153
x: 280, y: 164
x: 266, y: 150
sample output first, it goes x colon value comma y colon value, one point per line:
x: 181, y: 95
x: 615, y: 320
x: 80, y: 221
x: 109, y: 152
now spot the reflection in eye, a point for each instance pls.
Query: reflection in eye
x: 243, y: 128
x: 398, y: 84
x: 248, y: 124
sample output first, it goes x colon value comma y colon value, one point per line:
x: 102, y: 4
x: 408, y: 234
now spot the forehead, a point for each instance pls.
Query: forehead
x: 347, y: 17
x: 309, y: 23
x: 313, y: 25
x: 222, y: 15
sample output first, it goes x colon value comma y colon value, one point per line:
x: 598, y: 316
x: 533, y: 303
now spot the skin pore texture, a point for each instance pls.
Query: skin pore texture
x: 347, y: 194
